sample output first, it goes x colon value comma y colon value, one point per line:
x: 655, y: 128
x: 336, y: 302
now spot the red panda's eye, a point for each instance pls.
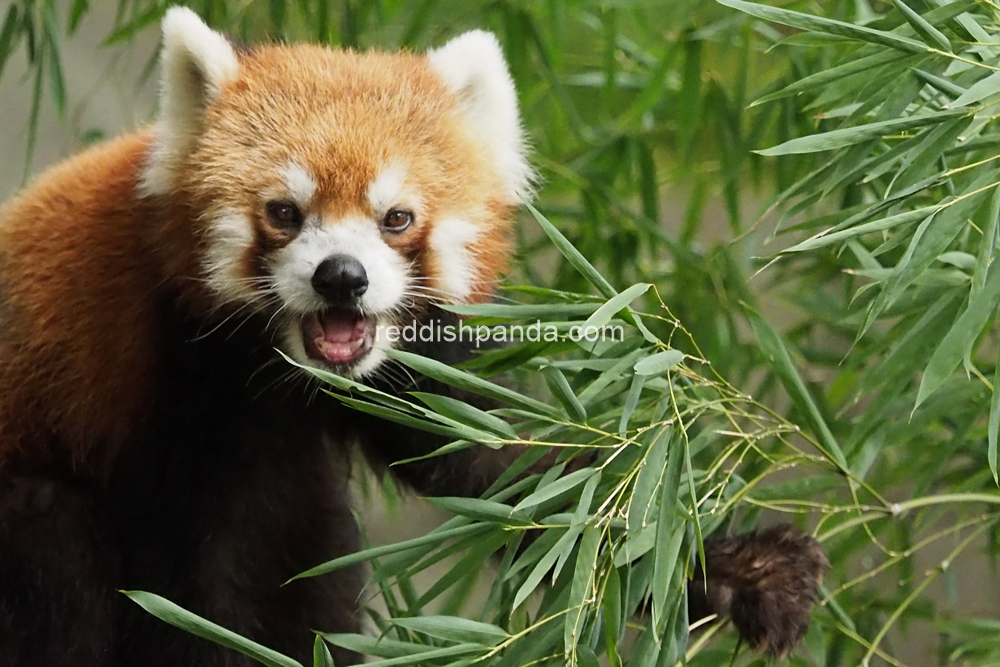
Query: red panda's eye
x: 397, y: 220
x: 284, y: 215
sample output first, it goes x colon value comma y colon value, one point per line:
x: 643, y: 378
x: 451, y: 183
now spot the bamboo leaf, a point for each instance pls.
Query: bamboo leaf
x: 775, y: 351
x: 573, y: 256
x: 615, y: 304
x: 581, y: 587
x: 545, y: 564
x: 556, y: 487
x: 669, y: 535
x: 959, y: 340
x: 819, y: 80
x: 76, y: 12
x: 455, y: 629
x: 647, y: 481
x: 10, y: 30
x: 381, y: 647
x: 931, y: 35
x: 321, y: 654
x: 432, y: 538
x: 994, y: 425
x: 635, y: 390
x: 659, y: 362
x: 483, y: 510
x: 559, y: 386
x: 825, y: 25
x: 849, y: 136
x: 464, y: 413
x: 978, y: 91
x: 456, y: 378
x: 824, y: 239
x: 181, y: 618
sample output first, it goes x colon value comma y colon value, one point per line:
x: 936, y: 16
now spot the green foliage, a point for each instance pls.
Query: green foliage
x: 876, y: 148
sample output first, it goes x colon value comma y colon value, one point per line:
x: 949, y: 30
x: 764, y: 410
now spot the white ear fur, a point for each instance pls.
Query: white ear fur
x: 473, y: 67
x: 196, y: 62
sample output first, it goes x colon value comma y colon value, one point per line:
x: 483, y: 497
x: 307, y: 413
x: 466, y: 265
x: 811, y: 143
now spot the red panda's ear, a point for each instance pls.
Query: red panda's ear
x: 472, y: 66
x: 195, y: 63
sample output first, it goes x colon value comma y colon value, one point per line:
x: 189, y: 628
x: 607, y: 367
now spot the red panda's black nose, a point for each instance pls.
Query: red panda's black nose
x: 340, y: 279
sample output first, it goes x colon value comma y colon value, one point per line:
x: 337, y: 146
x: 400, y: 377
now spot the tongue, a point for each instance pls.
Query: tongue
x: 341, y: 326
x: 338, y: 336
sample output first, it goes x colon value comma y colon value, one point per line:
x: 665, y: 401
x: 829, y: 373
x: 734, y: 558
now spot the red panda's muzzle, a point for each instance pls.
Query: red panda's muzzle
x: 338, y: 336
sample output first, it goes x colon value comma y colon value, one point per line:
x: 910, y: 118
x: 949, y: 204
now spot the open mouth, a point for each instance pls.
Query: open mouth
x: 338, y: 336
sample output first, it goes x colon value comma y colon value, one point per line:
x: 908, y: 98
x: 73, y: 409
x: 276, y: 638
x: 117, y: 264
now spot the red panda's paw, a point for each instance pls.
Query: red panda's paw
x: 766, y: 582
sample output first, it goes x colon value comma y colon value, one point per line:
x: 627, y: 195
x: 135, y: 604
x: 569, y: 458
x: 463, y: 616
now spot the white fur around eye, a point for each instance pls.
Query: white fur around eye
x: 386, y: 190
x: 451, y: 243
x: 301, y: 184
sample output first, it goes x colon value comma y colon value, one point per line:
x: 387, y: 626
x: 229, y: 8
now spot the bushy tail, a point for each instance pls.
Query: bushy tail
x: 766, y: 581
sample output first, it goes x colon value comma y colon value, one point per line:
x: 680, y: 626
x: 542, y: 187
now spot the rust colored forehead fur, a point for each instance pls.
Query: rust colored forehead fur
x: 343, y: 116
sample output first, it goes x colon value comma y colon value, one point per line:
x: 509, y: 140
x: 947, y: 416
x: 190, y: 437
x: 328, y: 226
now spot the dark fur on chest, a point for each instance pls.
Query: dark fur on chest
x: 234, y: 483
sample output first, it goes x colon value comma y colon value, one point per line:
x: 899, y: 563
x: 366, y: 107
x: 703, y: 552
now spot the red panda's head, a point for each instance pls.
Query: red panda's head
x: 338, y: 193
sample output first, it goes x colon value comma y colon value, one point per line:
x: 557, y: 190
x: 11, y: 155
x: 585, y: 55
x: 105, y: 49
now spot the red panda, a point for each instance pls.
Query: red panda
x: 287, y: 196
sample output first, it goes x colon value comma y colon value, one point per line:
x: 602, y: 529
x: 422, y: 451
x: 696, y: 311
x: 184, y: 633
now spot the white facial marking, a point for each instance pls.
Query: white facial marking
x: 300, y: 183
x: 229, y: 237
x: 387, y: 188
x: 451, y: 244
x: 294, y: 265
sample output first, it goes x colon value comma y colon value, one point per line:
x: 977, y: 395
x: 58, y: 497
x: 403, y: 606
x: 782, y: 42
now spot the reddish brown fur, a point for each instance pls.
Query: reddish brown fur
x: 76, y: 353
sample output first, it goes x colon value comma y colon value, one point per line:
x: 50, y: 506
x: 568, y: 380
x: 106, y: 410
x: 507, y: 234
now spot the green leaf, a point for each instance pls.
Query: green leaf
x: 181, y: 618
x: 775, y: 351
x: 634, y: 391
x: 849, y: 136
x: 382, y: 647
x: 432, y: 538
x: 615, y: 304
x: 559, y: 386
x: 827, y: 238
x: 994, y: 424
x: 11, y: 27
x: 669, y: 535
x: 987, y: 245
x: 426, y: 656
x: 573, y: 256
x: 647, y: 480
x: 659, y: 362
x: 931, y: 35
x: 581, y: 586
x: 978, y: 91
x: 614, y: 620
x: 464, y: 413
x: 483, y: 510
x: 944, y: 85
x: 522, y: 311
x: 959, y: 340
x: 456, y: 378
x: 455, y: 629
x: 321, y: 654
x: 556, y: 487
x: 819, y: 80
x: 825, y: 25
x: 76, y: 12
x: 51, y: 40
x: 545, y: 564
